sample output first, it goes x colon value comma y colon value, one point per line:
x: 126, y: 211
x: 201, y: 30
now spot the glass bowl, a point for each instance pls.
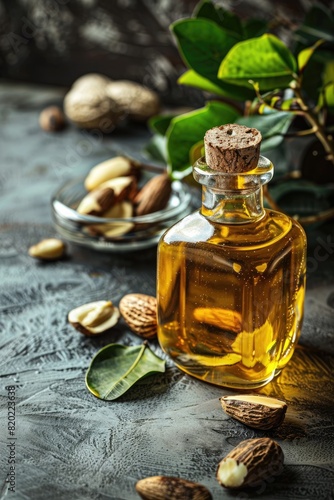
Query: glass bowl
x: 127, y: 233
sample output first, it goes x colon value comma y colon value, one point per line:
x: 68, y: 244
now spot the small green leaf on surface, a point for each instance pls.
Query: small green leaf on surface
x: 265, y: 60
x: 116, y: 368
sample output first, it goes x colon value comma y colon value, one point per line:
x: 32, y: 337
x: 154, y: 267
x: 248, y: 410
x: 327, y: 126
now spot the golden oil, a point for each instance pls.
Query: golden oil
x: 231, y: 284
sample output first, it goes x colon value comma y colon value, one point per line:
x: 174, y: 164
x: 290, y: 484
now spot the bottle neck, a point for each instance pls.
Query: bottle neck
x: 233, y: 198
x: 232, y: 207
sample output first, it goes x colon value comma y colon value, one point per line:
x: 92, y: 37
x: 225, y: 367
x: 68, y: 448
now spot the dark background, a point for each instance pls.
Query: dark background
x: 56, y: 41
x: 70, y: 445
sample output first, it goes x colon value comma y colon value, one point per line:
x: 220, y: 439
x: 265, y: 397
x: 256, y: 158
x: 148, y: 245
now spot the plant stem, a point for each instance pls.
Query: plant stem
x: 315, y: 124
x: 320, y: 217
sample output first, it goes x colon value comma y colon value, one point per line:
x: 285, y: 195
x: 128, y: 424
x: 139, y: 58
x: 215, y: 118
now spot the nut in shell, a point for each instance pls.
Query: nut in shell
x: 52, y: 119
x: 137, y: 101
x: 259, y: 412
x: 91, y: 109
x: 119, y: 166
x: 91, y: 81
x: 140, y: 313
x: 49, y: 249
x: 171, y: 488
x: 251, y: 463
x: 154, y: 195
x: 94, y: 318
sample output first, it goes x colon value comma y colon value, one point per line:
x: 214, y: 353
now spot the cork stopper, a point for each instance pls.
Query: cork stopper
x: 232, y: 148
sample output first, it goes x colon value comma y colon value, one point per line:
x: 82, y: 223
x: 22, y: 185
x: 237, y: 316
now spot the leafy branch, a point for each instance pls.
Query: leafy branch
x: 252, y: 77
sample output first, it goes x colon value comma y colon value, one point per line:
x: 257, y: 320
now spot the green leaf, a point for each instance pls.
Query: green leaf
x: 157, y: 148
x: 224, y: 18
x: 265, y: 60
x: 160, y: 123
x: 328, y: 75
x: 254, y: 27
x: 202, y: 45
x: 189, y: 128
x: 302, y: 198
x: 326, y: 98
x: 116, y: 367
x: 305, y: 55
x: 272, y: 127
x: 193, y: 79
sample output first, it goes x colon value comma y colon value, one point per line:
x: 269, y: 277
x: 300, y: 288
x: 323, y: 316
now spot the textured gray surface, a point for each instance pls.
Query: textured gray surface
x: 71, y: 445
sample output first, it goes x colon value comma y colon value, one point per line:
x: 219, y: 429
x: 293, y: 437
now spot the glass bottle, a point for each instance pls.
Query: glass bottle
x: 231, y: 282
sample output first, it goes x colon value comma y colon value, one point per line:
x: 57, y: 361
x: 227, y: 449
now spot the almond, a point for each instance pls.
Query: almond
x: 251, y: 463
x: 171, y: 488
x: 140, y: 313
x: 260, y: 412
x: 154, y: 195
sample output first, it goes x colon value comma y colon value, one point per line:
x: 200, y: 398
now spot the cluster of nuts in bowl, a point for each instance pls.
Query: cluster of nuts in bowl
x: 113, y: 192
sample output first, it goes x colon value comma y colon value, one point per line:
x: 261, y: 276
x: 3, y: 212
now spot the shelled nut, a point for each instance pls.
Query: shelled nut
x: 122, y: 210
x: 124, y: 188
x: 119, y: 166
x: 94, y: 318
x: 48, y: 249
x: 97, y: 202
